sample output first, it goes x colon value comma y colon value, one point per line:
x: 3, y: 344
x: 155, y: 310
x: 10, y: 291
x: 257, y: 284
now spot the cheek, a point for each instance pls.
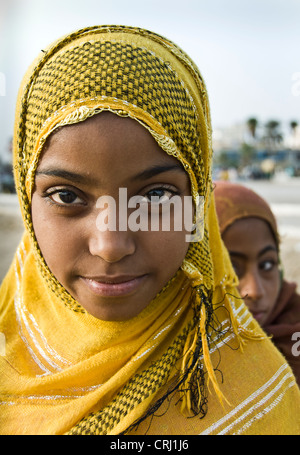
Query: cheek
x: 274, y: 287
x: 271, y: 286
x: 167, y: 250
x: 55, y: 238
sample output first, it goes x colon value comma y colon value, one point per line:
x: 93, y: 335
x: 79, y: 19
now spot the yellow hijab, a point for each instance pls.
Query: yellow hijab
x: 64, y: 371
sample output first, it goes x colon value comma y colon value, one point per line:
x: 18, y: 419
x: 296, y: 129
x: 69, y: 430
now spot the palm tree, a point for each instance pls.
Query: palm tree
x: 293, y: 125
x: 252, y: 125
x: 273, y: 137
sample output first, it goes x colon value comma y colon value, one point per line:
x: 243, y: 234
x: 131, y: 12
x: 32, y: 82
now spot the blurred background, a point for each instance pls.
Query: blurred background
x: 248, y: 54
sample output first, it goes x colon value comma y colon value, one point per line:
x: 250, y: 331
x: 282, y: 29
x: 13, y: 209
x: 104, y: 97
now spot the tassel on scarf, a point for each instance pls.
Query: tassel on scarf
x: 206, y: 357
x: 196, y: 353
x: 192, y: 365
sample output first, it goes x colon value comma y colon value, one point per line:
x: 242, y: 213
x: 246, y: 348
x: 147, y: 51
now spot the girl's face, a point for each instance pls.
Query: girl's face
x: 112, y: 273
x: 254, y: 256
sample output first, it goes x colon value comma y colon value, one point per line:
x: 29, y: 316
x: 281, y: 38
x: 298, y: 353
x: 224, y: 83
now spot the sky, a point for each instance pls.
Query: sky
x: 246, y: 50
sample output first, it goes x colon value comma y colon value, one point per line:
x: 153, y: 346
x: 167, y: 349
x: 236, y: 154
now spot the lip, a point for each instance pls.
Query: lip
x: 259, y: 315
x: 114, y: 286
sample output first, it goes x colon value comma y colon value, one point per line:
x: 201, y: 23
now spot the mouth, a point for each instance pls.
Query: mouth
x: 258, y: 315
x: 114, y: 286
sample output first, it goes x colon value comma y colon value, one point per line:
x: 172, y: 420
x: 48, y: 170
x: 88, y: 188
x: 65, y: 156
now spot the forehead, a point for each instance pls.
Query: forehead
x: 250, y: 234
x: 105, y: 143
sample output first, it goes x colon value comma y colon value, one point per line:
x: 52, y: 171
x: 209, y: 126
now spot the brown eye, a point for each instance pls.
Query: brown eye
x: 267, y: 266
x: 159, y: 194
x: 65, y: 197
x: 238, y: 268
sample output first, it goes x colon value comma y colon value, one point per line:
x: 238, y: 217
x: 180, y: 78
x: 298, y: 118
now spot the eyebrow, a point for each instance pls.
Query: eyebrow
x: 80, y: 178
x: 62, y: 173
x: 156, y: 170
x: 261, y: 253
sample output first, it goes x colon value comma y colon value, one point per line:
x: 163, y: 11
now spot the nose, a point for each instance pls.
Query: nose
x: 112, y: 246
x: 251, y: 286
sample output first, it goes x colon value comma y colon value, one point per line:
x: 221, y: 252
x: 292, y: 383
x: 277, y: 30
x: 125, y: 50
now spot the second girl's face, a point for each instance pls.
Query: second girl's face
x: 113, y: 274
x: 254, y: 256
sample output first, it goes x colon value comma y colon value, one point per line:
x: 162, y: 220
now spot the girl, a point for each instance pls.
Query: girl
x: 250, y: 233
x: 112, y: 331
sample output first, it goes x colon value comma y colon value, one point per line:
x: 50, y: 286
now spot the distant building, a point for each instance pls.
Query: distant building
x: 229, y: 138
x: 293, y: 139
